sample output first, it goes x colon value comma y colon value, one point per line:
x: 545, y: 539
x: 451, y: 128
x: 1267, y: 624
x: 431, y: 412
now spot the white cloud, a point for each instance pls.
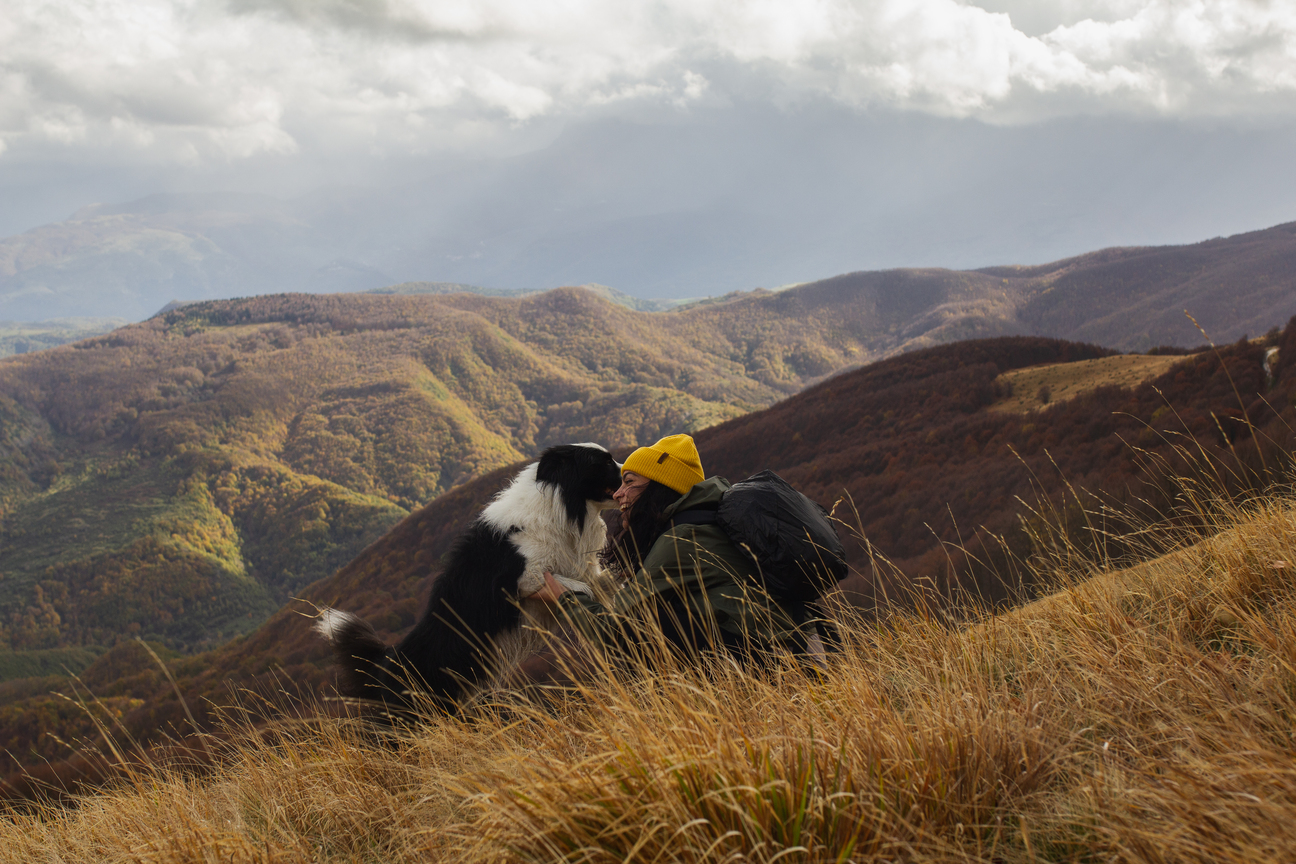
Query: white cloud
x: 227, y: 79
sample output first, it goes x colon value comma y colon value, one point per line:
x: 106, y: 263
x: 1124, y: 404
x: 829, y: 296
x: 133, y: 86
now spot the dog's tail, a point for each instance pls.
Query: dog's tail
x: 357, y: 650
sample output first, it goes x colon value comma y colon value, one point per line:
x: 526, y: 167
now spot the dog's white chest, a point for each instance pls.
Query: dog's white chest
x: 575, y: 558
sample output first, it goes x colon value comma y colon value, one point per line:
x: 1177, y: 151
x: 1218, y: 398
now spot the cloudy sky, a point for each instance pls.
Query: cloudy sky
x: 109, y: 100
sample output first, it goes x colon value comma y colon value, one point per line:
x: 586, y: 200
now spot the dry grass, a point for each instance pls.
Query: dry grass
x: 1147, y: 715
x: 1068, y: 380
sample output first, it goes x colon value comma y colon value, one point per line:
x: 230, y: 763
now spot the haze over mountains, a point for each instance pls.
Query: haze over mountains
x: 669, y: 211
x: 22, y: 337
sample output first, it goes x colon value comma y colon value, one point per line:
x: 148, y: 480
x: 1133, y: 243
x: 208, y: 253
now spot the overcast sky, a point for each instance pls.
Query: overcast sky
x: 115, y: 99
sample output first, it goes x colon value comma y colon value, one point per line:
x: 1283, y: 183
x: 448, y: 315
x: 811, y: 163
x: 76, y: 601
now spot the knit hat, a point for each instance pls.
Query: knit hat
x: 673, y: 461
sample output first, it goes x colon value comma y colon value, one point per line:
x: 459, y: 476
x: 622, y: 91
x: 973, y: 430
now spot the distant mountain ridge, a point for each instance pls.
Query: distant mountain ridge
x: 610, y: 294
x: 1135, y: 298
x: 130, y: 261
x: 23, y: 337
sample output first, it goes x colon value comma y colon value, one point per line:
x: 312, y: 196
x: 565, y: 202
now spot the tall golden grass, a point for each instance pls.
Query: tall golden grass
x: 1145, y: 714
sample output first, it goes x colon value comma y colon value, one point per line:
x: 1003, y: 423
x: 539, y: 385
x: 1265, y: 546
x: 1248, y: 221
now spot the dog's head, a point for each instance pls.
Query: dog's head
x: 581, y: 473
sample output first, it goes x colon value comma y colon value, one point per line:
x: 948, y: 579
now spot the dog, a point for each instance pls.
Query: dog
x: 547, y: 518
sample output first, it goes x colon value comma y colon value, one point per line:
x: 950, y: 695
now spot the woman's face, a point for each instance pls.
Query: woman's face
x: 632, y: 486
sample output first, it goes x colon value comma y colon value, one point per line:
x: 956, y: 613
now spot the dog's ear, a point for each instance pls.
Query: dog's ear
x: 567, y: 467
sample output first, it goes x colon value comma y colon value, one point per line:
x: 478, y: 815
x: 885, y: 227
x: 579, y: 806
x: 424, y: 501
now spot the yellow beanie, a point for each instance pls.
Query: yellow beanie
x: 673, y: 461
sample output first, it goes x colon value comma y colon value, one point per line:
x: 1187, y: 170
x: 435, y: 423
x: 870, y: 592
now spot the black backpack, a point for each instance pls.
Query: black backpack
x: 797, y: 553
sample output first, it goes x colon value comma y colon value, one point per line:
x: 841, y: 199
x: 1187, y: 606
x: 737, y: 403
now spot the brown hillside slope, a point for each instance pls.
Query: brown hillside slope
x: 909, y: 440
x: 1138, y: 717
x: 1134, y: 299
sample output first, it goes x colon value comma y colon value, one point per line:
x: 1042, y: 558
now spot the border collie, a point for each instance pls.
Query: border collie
x: 546, y: 519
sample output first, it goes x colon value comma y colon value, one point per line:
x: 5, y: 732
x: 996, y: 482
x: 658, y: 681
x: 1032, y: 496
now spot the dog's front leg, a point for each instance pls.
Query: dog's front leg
x: 533, y: 580
x: 574, y: 585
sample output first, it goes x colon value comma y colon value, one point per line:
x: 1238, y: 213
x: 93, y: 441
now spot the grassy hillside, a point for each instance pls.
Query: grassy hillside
x: 1034, y: 387
x: 948, y: 494
x: 1137, y: 715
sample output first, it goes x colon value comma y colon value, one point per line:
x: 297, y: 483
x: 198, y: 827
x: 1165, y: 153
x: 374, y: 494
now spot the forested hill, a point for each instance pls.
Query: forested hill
x: 1135, y: 298
x: 1132, y: 299
x: 918, y: 445
x: 180, y: 478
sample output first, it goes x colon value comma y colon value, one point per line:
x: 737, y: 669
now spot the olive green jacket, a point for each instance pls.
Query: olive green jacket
x: 693, y: 574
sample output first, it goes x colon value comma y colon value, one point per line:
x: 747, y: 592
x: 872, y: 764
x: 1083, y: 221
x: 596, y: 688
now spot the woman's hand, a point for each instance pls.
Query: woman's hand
x: 552, y: 590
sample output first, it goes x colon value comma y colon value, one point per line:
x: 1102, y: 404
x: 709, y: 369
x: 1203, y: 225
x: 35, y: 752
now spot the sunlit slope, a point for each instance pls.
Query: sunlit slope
x: 1138, y: 716
x: 1033, y: 387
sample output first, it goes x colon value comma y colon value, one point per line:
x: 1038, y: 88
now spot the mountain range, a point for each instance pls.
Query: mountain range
x: 130, y: 261
x: 180, y: 478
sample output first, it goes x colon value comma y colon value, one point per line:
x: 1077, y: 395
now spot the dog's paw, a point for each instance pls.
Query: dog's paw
x: 530, y: 583
x: 575, y: 585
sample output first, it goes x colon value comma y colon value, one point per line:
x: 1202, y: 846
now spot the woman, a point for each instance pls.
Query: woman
x: 687, y: 580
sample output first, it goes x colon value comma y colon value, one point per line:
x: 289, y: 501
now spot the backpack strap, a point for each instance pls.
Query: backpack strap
x: 698, y: 516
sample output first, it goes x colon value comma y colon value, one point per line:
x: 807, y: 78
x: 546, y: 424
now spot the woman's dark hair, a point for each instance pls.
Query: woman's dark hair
x: 639, y: 529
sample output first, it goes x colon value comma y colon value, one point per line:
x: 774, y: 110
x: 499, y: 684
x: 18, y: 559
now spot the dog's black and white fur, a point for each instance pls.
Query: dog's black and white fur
x: 546, y: 519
